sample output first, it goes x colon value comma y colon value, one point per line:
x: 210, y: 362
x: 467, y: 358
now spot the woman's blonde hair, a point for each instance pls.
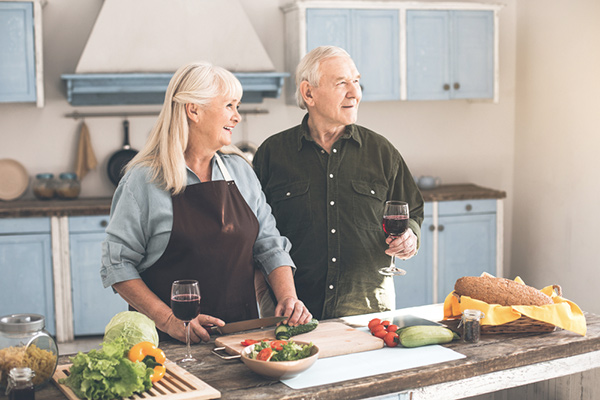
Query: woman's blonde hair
x: 308, y: 68
x: 197, y: 83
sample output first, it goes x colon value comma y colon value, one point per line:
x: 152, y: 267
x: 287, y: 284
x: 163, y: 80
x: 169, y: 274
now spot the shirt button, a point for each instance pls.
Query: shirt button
x: 332, y: 202
x: 331, y: 175
x: 322, y: 151
x: 333, y: 231
x: 330, y: 286
x: 288, y: 194
x: 333, y: 259
x: 372, y: 192
x: 335, y: 150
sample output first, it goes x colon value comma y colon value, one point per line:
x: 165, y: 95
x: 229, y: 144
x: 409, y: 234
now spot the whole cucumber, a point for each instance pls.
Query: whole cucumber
x: 423, y: 335
x: 284, y: 331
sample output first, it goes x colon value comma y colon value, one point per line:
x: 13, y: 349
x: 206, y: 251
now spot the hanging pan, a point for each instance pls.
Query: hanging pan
x: 120, y: 158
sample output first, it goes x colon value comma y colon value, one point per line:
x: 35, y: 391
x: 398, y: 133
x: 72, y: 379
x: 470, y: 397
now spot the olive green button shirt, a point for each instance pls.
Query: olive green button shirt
x: 330, y: 205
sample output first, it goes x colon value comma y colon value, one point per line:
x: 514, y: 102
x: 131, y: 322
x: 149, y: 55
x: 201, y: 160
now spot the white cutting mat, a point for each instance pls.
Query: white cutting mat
x: 359, y: 365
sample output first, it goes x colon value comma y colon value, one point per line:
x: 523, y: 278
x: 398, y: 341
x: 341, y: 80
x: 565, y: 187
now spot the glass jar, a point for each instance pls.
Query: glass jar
x: 44, y: 187
x: 20, y: 384
x: 68, y: 186
x: 24, y: 343
x: 471, y: 328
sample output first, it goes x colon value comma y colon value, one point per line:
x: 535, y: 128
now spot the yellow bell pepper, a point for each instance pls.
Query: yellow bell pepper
x: 150, y: 355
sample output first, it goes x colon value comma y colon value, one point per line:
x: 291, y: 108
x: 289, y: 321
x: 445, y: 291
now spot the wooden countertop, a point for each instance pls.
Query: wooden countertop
x: 101, y: 205
x: 493, y: 354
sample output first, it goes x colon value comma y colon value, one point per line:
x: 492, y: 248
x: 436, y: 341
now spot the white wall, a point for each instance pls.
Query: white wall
x: 557, y: 193
x: 459, y: 141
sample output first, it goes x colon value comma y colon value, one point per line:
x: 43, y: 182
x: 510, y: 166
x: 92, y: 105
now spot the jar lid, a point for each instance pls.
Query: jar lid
x: 21, y: 374
x: 22, y: 323
x: 473, y: 314
x: 68, y: 175
x: 45, y: 175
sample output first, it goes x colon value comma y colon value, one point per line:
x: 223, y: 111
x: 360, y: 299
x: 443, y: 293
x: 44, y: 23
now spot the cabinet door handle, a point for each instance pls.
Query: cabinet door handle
x: 446, y: 86
x: 456, y: 86
x: 431, y: 228
x: 441, y: 228
x: 468, y: 207
x: 104, y: 223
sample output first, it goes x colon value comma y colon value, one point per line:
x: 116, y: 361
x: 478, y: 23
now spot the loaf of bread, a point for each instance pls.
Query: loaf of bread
x: 501, y: 291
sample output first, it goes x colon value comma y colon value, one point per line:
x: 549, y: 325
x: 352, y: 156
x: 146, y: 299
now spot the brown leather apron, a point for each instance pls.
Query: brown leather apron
x: 213, y: 234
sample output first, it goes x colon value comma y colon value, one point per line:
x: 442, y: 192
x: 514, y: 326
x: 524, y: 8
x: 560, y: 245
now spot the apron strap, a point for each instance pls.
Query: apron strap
x: 223, y: 168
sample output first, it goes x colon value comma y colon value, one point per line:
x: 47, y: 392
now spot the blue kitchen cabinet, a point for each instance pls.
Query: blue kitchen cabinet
x: 416, y: 287
x: 26, y: 285
x: 450, y: 54
x: 463, y: 242
x: 17, y: 55
x: 371, y: 37
x: 93, y: 305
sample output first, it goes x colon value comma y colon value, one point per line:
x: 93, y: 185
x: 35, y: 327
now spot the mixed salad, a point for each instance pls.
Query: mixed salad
x: 280, y: 350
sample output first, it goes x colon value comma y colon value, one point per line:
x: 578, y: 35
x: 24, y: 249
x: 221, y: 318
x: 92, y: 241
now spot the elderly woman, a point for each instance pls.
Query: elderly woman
x: 190, y: 207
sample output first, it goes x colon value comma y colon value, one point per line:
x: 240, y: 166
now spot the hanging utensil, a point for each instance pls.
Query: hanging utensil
x: 120, y: 158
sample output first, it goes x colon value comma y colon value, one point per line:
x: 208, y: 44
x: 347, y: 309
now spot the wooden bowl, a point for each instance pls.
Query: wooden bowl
x: 280, y: 369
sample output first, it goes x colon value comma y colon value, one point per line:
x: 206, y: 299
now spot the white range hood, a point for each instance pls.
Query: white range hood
x: 137, y: 45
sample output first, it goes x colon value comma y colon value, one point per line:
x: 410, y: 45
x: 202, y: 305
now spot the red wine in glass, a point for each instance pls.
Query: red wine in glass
x: 395, y: 223
x: 185, y: 304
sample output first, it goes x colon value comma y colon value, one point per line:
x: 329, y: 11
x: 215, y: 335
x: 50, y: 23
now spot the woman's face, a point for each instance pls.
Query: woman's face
x: 216, y: 122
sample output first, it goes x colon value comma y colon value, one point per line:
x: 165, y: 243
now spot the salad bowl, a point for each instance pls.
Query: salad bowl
x: 279, y: 369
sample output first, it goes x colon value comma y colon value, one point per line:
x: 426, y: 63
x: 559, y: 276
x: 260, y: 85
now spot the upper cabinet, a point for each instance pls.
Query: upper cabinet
x: 450, y: 55
x: 403, y: 50
x: 21, y: 72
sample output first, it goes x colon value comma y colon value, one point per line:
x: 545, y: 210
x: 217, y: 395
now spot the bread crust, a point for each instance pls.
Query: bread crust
x: 501, y: 291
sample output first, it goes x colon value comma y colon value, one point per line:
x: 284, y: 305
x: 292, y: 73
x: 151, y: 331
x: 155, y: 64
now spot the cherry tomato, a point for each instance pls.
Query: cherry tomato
x: 385, y: 323
x: 380, y: 333
x: 392, y: 328
x: 374, y: 322
x: 265, y: 354
x: 391, y: 339
x: 278, y: 344
x: 377, y: 328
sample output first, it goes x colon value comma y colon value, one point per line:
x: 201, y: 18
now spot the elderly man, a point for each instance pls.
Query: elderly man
x: 327, y: 181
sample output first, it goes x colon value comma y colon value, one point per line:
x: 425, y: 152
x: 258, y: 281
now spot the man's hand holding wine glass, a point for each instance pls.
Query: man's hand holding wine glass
x: 403, y: 246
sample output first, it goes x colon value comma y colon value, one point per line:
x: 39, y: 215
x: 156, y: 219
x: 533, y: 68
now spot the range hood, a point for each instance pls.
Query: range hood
x: 137, y: 45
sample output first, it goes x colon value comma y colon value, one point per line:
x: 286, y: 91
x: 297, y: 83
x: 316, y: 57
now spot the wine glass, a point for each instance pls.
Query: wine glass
x: 395, y: 223
x: 185, y: 304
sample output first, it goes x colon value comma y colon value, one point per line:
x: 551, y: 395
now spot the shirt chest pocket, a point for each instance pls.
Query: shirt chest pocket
x: 291, y: 206
x: 368, y: 200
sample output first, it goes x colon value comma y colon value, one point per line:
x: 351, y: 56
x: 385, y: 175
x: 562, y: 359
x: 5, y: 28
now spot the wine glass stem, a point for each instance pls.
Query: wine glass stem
x: 393, y: 263
x: 188, y: 353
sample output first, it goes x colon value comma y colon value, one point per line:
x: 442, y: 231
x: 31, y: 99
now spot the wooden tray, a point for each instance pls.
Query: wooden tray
x: 176, y: 384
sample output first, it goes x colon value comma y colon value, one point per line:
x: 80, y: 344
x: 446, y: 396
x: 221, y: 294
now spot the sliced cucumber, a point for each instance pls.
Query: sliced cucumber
x: 284, y: 331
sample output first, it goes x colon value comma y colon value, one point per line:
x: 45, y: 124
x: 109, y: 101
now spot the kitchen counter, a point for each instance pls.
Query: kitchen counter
x: 496, y: 362
x: 101, y: 205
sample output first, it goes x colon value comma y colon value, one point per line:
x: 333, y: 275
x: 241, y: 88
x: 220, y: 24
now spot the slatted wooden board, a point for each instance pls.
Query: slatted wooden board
x: 332, y: 339
x: 177, y: 384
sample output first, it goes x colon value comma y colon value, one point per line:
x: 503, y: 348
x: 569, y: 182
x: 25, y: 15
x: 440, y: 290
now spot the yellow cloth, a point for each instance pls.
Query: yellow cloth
x: 563, y: 313
x: 86, y: 160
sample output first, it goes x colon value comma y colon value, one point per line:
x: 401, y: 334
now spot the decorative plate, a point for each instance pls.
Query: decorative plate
x: 14, y: 179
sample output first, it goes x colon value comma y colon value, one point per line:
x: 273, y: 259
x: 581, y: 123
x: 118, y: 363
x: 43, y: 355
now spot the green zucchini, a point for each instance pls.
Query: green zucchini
x: 423, y: 335
x: 284, y: 331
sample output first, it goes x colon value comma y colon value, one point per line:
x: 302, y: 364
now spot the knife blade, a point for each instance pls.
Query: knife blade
x: 240, y: 326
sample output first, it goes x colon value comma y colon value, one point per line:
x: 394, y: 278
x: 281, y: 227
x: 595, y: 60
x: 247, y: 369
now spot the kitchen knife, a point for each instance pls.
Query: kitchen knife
x: 403, y: 321
x: 247, y: 325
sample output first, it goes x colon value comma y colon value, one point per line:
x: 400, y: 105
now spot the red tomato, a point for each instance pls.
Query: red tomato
x: 265, y: 354
x: 391, y: 339
x: 385, y: 323
x: 373, y: 323
x: 377, y: 328
x: 380, y: 333
x: 278, y: 344
x: 392, y: 328
x: 248, y: 342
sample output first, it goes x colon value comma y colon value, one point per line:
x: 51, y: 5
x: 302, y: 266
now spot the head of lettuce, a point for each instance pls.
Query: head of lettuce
x: 134, y: 326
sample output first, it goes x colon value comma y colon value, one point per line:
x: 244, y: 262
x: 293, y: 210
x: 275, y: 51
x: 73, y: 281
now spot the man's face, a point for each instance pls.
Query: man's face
x: 335, y: 100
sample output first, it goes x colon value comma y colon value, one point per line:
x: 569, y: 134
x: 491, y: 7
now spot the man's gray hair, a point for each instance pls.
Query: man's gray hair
x: 308, y: 68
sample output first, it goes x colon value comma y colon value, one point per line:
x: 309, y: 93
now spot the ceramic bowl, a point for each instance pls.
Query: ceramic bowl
x: 280, y: 369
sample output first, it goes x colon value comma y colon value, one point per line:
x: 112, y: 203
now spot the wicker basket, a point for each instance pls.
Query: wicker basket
x: 521, y: 325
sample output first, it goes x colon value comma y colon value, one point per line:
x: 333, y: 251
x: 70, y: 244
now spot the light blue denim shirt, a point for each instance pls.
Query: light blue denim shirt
x: 141, y: 219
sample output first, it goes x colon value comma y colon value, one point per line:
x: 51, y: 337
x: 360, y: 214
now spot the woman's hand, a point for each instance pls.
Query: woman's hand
x: 404, y: 246
x: 198, y: 332
x: 294, y: 309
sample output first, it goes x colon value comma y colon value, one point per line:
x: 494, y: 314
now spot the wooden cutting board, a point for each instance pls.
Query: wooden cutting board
x: 177, y: 384
x: 332, y: 339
